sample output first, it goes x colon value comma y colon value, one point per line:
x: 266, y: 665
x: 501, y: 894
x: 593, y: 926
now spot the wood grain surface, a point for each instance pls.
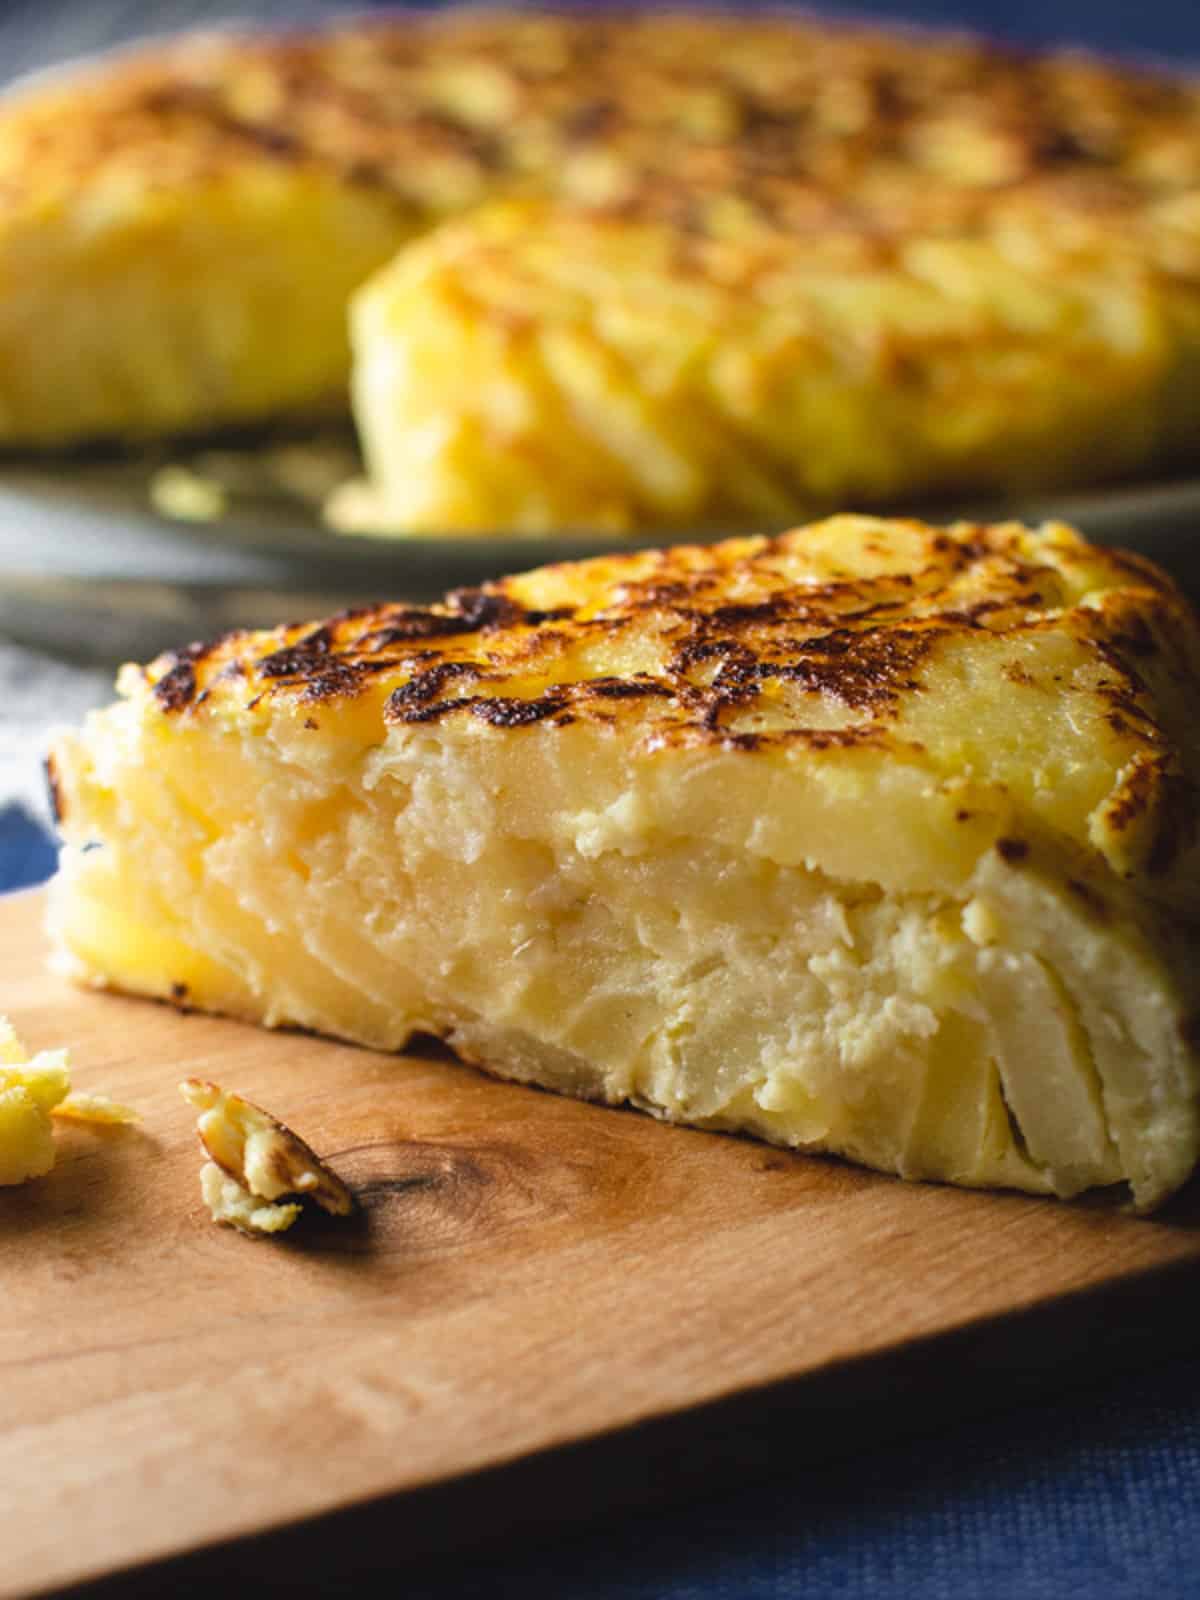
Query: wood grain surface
x: 525, y: 1273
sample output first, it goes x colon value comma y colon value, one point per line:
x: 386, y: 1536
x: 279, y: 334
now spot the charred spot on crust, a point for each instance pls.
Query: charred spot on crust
x: 501, y: 712
x: 416, y: 700
x: 425, y: 686
x: 483, y: 608
x: 427, y: 713
x: 319, y: 670
x: 338, y: 679
x: 404, y: 626
x: 534, y: 619
x: 626, y: 688
x: 777, y: 609
x: 299, y: 659
x: 992, y: 613
x: 465, y: 611
x: 836, y: 738
x: 865, y: 669
x: 695, y: 651
x: 1127, y: 717
x: 1135, y: 795
x: 177, y: 687
x: 810, y: 738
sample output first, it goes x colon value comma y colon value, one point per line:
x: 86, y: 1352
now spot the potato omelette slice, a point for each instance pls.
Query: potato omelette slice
x: 875, y: 838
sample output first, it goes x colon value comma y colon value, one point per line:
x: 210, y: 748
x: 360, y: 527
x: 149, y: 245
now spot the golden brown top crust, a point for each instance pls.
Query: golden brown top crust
x: 843, y: 610
x: 714, y: 124
x: 1061, y: 675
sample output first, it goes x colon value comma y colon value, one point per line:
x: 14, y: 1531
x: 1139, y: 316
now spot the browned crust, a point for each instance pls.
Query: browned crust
x: 812, y: 127
x: 859, y: 639
x: 742, y: 652
x: 861, y: 642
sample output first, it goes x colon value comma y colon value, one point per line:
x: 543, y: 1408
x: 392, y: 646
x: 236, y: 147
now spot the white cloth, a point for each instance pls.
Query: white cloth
x: 36, y: 693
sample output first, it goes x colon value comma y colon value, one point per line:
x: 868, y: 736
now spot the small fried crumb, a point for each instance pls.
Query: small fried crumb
x: 98, y: 1108
x: 254, y: 1161
x: 33, y: 1090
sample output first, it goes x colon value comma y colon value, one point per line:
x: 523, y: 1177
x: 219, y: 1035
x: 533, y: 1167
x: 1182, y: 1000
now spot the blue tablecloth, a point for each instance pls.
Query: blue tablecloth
x: 1094, y: 1494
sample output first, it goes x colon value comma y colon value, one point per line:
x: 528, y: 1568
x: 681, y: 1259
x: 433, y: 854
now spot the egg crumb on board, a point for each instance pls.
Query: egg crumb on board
x: 34, y: 1090
x: 258, y: 1170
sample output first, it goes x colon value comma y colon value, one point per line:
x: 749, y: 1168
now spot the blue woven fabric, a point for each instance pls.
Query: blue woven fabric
x: 27, y: 853
x: 1095, y: 1497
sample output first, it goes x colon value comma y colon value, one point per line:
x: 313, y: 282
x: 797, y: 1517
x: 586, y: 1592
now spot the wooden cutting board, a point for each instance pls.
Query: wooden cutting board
x: 527, y: 1273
